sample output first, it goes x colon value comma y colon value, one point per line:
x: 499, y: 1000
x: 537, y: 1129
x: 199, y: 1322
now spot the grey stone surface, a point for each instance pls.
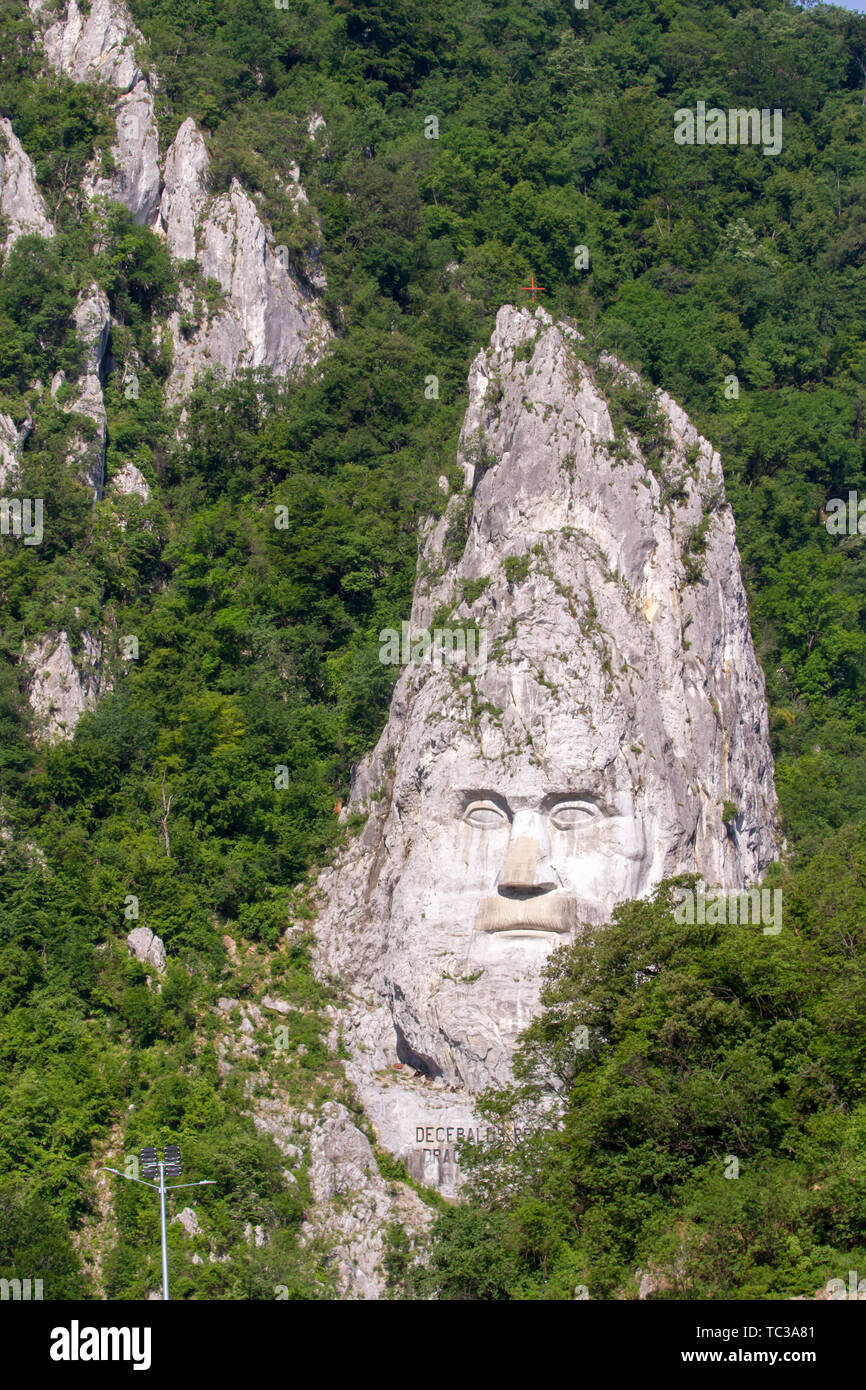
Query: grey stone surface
x: 185, y: 191
x: 129, y: 481
x: 189, y: 1220
x: 93, y: 324
x: 277, y: 1005
x: 21, y: 203
x: 354, y: 1204
x: 12, y: 438
x: 620, y: 706
x: 147, y: 947
x: 267, y: 318
x: 99, y: 46
x: 62, y: 685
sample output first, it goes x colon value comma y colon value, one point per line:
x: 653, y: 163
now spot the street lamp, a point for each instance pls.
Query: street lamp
x: 168, y: 1167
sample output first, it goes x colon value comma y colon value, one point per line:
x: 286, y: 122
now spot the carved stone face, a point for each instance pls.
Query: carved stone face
x: 621, y: 708
x: 496, y: 877
x: 555, y: 858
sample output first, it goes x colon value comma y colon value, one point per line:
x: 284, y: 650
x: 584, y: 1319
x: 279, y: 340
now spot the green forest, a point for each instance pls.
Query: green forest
x: 258, y: 647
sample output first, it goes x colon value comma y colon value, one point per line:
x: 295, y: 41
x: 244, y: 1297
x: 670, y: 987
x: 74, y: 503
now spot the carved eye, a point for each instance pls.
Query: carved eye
x: 485, y: 814
x: 571, y: 815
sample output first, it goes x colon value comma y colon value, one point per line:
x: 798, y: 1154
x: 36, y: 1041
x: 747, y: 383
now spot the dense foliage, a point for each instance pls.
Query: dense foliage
x: 256, y: 645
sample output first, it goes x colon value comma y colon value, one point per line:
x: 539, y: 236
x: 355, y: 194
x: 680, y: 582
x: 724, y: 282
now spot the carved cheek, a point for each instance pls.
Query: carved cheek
x: 601, y: 853
x: 468, y: 857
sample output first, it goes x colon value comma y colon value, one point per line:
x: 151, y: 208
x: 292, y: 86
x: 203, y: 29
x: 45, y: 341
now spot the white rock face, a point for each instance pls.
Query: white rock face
x: 129, y: 481
x: 619, y: 707
x: 189, y: 1221
x: 92, y: 47
x: 63, y: 686
x: 354, y: 1204
x: 9, y: 467
x: 268, y: 319
x: 93, y: 325
x: 136, y: 182
x: 100, y: 47
x: 20, y: 200
x: 11, y: 441
x: 147, y: 947
x: 185, y: 191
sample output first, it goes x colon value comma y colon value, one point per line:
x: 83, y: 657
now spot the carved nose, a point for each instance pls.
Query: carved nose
x: 527, y: 868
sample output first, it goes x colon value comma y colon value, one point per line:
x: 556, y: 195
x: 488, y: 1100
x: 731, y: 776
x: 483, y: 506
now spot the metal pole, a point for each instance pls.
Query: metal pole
x: 162, y: 1232
x: 162, y: 1189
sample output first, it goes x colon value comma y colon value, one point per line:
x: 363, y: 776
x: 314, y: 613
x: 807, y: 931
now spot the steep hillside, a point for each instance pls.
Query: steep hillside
x: 249, y: 256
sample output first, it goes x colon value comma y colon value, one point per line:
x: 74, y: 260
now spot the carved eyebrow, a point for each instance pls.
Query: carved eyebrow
x: 467, y: 797
x: 557, y: 798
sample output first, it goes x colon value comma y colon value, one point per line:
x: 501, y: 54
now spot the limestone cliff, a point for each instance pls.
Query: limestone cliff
x: 99, y: 46
x: 267, y: 317
x: 23, y: 211
x: 63, y: 684
x: 21, y: 203
x: 87, y: 448
x: 12, y: 438
x: 616, y: 734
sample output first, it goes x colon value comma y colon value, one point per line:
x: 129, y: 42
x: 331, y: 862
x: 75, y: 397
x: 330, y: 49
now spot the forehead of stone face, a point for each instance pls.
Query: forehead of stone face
x: 446, y: 758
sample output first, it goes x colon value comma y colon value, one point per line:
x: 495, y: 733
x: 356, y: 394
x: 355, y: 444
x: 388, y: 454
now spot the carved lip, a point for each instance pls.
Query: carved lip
x: 548, y: 912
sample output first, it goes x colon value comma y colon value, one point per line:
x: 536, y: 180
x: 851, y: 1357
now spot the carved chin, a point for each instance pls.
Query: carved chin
x: 549, y: 912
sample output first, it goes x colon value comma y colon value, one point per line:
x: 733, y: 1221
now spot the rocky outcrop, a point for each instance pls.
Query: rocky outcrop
x: 8, y: 453
x: 262, y: 316
x: 185, y: 192
x: 352, y: 1205
x: 21, y: 203
x: 611, y: 731
x: 99, y: 46
x: 93, y: 45
x: 314, y: 272
x: 12, y: 438
x: 63, y: 686
x: 129, y: 481
x: 87, y: 450
x: 355, y: 1205
x: 188, y: 1219
x: 267, y: 318
x: 147, y: 948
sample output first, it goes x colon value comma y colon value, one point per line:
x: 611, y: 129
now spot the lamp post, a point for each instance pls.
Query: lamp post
x: 155, y: 1167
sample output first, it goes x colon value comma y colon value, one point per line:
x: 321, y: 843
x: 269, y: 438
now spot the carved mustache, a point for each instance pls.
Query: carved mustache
x: 549, y: 912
